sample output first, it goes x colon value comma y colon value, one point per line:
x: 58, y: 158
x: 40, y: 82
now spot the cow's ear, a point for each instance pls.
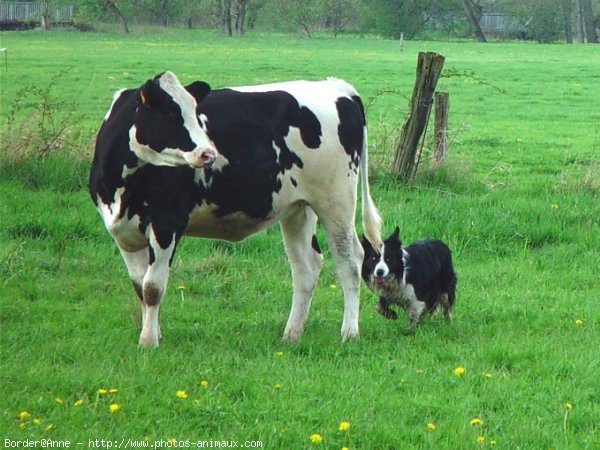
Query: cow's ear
x: 199, y: 89
x: 145, y: 93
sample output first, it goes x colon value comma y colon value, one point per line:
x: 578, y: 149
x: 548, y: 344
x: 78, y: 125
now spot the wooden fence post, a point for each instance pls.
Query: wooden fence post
x: 442, y: 106
x: 429, y: 68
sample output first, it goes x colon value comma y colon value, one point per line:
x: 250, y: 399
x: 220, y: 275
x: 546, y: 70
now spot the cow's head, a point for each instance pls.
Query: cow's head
x: 165, y: 131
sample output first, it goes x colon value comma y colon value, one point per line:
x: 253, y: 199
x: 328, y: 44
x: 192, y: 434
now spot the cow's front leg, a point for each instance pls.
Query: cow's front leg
x: 305, y: 258
x: 154, y: 286
x: 137, y: 265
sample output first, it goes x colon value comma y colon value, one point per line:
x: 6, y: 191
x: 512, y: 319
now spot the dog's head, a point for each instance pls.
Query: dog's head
x: 382, y: 269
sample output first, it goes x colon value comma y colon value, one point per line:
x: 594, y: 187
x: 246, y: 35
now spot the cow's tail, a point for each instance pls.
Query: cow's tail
x: 370, y: 215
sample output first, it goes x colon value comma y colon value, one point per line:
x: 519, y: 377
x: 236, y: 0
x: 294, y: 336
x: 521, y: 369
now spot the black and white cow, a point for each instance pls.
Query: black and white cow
x: 173, y: 161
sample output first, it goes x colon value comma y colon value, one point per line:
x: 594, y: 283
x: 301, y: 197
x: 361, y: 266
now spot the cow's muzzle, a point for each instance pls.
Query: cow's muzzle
x: 202, y: 158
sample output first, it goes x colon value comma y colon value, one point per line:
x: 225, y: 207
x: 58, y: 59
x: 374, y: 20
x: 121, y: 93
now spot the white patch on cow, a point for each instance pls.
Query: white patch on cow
x: 124, y: 231
x: 203, y: 121
x: 129, y: 170
x: 115, y: 98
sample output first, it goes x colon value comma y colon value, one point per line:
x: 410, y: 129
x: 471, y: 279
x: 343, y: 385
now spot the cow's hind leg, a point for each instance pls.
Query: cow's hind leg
x: 154, y: 286
x: 305, y: 257
x: 348, y: 255
x: 137, y: 265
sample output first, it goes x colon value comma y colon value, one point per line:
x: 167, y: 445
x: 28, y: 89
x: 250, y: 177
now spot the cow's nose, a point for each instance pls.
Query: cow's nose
x: 202, y: 158
x: 208, y: 157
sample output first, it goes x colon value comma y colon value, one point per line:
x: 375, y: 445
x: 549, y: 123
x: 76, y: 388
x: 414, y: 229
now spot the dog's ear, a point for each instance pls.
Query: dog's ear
x: 395, y: 236
x: 366, y: 245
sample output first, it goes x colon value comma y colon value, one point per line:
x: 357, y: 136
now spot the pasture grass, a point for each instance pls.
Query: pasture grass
x: 518, y: 202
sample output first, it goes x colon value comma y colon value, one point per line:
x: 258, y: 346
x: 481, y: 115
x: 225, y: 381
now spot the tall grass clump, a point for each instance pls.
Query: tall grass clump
x: 43, y: 140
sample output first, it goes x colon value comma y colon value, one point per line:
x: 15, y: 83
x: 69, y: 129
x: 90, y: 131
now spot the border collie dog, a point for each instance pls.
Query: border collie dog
x: 418, y: 277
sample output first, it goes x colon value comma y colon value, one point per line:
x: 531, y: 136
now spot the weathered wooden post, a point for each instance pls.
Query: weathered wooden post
x: 442, y: 106
x: 429, y: 68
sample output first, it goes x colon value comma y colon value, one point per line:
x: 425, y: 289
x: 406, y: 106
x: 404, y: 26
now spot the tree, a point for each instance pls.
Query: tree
x: 240, y: 17
x: 392, y: 17
x: 587, y: 20
x: 225, y: 17
x: 337, y: 13
x: 110, y: 5
x: 473, y: 11
x: 163, y: 8
x: 566, y: 10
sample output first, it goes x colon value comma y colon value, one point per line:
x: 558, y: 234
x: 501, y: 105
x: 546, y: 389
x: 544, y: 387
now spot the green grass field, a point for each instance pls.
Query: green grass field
x: 518, y: 202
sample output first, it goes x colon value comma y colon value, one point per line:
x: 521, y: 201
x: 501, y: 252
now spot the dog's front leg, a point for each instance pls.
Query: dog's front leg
x: 383, y: 308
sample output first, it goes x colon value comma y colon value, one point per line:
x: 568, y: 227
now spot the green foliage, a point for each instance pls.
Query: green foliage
x: 517, y: 201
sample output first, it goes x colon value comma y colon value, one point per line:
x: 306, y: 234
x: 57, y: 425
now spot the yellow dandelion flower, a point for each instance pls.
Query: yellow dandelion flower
x: 23, y: 415
x: 431, y: 426
x: 480, y: 439
x: 476, y: 421
x: 277, y: 386
x: 102, y: 391
x: 181, y: 287
x: 578, y: 322
x: 569, y: 405
x: 460, y: 370
x: 344, y: 448
x: 278, y: 353
x: 493, y: 442
x: 554, y: 206
x: 488, y: 375
x: 37, y: 421
x: 204, y: 384
x: 316, y: 438
x: 49, y: 427
x: 78, y: 403
x: 59, y: 400
x: 114, y: 407
x: 22, y: 425
x: 113, y: 390
x: 344, y: 425
x: 181, y: 394
x: 333, y: 286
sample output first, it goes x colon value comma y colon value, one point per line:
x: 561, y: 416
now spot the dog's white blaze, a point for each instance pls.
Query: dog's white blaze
x: 381, y: 265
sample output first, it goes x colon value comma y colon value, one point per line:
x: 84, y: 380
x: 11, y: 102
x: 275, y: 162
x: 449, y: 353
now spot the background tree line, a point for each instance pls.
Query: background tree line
x: 541, y: 20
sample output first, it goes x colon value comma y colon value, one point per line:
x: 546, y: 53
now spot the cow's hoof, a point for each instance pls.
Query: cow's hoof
x: 148, y: 342
x: 349, y: 333
x: 291, y: 335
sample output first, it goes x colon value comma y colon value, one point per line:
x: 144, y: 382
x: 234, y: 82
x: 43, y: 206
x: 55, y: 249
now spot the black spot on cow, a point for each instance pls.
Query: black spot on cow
x: 310, y: 128
x: 351, y: 127
x: 253, y: 141
x: 294, y: 182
